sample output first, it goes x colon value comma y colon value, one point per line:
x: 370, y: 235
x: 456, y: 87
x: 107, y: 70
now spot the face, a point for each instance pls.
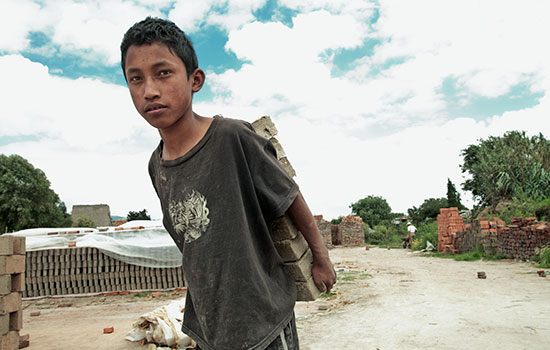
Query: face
x: 159, y: 86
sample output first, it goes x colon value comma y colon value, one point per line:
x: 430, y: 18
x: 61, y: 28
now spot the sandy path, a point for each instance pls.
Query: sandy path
x: 385, y: 299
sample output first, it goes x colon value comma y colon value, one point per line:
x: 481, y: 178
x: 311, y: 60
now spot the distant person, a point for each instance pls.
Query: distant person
x: 411, y: 232
x: 220, y: 187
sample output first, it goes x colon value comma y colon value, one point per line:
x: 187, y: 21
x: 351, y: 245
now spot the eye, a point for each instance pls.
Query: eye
x: 134, y: 79
x: 164, y: 72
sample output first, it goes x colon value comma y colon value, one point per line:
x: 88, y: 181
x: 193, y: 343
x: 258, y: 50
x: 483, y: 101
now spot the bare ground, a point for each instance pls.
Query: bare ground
x: 384, y: 299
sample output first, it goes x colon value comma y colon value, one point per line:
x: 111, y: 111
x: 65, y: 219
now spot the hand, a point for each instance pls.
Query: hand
x: 323, y: 274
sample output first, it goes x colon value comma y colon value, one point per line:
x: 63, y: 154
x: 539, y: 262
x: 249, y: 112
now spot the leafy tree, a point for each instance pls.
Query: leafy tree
x: 26, y: 199
x: 337, y: 221
x: 507, y: 167
x: 428, y: 210
x: 84, y: 221
x: 453, y: 197
x: 372, y: 209
x: 138, y: 215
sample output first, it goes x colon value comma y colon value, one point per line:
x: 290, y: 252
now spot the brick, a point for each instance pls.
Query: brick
x: 283, y: 228
x: 17, y: 282
x: 5, y: 284
x: 12, y: 264
x: 10, y: 303
x: 278, y: 148
x: 287, y: 166
x: 24, y: 341
x: 292, y: 249
x: 16, y: 320
x: 10, y: 341
x: 301, y: 269
x: 19, y: 245
x: 4, y: 324
x: 6, y: 245
x: 307, y: 291
x: 265, y: 127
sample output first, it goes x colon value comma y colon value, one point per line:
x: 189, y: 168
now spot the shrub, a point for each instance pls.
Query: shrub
x: 542, y: 256
x: 84, y: 222
x: 543, y: 210
x: 426, y: 233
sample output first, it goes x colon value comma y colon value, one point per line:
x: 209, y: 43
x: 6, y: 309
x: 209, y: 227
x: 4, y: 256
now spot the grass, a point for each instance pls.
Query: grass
x: 475, y: 255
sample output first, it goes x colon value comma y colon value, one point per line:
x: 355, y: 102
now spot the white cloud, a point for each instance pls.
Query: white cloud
x: 94, y: 147
x: 228, y: 14
x: 17, y: 18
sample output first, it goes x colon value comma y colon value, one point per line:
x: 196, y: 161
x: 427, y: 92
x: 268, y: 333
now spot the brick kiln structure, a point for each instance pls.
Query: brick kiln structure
x: 517, y: 240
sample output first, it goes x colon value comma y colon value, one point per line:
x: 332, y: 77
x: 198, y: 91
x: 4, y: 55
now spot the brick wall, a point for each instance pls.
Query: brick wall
x: 520, y: 238
x: 517, y: 240
x: 352, y: 231
x: 80, y: 270
x: 449, y: 222
x: 12, y: 284
x: 480, y: 232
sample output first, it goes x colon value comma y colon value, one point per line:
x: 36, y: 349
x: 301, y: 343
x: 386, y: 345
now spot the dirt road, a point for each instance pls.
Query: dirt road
x: 384, y: 299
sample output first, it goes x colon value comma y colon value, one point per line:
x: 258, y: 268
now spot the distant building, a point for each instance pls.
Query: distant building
x: 100, y: 214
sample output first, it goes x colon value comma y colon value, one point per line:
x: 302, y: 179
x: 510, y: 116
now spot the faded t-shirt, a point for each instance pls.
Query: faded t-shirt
x: 218, y: 201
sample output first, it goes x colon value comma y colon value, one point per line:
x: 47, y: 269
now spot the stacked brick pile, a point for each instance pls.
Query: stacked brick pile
x: 325, y: 228
x: 87, y: 270
x: 12, y: 284
x: 480, y: 232
x: 449, y: 222
x: 352, y: 231
x: 520, y: 239
x: 290, y: 243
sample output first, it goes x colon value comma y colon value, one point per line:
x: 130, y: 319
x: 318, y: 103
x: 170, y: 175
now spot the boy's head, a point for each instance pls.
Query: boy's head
x: 156, y: 30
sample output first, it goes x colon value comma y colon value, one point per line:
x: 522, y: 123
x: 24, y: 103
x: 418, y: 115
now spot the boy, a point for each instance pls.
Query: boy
x: 220, y: 187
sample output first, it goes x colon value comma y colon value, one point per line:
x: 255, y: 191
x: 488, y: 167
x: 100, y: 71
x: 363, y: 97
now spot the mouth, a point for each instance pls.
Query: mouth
x: 154, y: 108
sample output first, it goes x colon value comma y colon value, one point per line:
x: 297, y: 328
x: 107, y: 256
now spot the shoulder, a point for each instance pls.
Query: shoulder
x: 238, y: 129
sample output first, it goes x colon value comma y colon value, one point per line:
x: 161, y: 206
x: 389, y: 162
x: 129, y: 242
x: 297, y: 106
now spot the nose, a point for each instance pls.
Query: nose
x: 151, y: 90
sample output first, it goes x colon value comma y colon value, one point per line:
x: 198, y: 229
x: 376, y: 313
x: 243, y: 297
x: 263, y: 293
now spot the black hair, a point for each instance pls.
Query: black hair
x: 156, y: 30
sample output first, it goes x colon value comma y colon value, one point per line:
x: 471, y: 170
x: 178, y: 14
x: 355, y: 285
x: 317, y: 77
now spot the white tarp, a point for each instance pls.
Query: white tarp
x: 142, y: 243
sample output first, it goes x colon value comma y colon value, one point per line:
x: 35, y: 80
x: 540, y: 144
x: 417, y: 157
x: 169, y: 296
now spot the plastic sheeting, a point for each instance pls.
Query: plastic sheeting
x: 149, y: 247
x: 162, y: 326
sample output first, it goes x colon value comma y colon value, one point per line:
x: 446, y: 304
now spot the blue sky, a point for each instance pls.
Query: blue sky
x: 370, y: 97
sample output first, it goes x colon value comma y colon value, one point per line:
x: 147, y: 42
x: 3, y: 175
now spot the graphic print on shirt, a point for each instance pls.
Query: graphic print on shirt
x: 190, y: 217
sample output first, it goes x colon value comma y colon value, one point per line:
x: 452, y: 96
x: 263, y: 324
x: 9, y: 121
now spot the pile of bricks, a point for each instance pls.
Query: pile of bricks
x: 480, y: 232
x: 12, y: 284
x: 449, y: 222
x: 290, y: 243
x: 325, y: 228
x: 520, y: 239
x: 352, y: 231
x: 82, y: 270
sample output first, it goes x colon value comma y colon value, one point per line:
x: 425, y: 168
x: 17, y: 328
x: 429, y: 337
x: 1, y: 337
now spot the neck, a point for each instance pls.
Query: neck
x: 184, y: 135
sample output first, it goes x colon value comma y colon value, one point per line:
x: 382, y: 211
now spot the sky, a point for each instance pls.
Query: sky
x: 369, y: 97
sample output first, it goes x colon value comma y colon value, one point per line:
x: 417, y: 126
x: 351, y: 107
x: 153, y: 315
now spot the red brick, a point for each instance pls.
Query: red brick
x: 16, y: 320
x: 10, y: 303
x: 12, y: 264
x: 10, y: 341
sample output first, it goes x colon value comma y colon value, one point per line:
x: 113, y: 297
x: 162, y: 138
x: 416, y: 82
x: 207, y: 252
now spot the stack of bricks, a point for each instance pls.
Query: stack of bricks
x: 352, y: 231
x: 290, y: 243
x: 12, y: 284
x: 520, y: 239
x: 325, y: 228
x: 480, y: 232
x: 81, y: 270
x: 449, y: 222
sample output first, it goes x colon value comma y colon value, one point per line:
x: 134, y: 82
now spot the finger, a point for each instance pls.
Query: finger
x: 322, y: 287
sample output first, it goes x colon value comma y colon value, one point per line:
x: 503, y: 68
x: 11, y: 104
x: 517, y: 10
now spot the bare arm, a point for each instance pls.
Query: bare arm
x: 322, y: 270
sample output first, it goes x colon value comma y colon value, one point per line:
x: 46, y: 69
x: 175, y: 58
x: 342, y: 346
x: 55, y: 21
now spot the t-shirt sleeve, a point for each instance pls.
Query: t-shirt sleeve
x: 275, y: 189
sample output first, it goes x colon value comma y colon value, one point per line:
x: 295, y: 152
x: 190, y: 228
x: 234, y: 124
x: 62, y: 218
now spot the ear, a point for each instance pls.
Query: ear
x: 197, y: 80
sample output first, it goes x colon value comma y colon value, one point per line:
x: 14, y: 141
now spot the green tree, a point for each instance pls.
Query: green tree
x: 26, y: 199
x: 372, y: 209
x: 84, y: 222
x: 428, y: 210
x: 138, y: 215
x: 507, y: 167
x: 453, y: 197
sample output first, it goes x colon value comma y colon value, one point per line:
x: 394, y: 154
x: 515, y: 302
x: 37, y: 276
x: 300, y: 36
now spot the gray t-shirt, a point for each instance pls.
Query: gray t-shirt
x: 218, y: 202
